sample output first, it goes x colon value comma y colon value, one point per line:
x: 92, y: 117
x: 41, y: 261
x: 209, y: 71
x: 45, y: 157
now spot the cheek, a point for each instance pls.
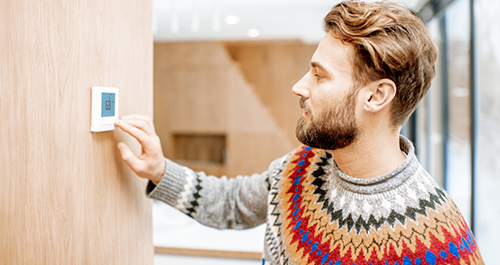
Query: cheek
x: 358, y: 108
x: 322, y: 99
x: 316, y: 109
x: 325, y: 105
x: 327, y: 96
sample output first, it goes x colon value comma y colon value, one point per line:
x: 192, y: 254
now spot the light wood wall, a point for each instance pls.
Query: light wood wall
x: 241, y: 90
x: 65, y: 195
x: 272, y: 68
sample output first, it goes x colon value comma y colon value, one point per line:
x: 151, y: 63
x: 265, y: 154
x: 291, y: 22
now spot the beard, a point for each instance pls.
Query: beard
x: 332, y: 129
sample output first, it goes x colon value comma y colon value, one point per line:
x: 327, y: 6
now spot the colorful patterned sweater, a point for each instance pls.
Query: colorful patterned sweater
x: 316, y: 214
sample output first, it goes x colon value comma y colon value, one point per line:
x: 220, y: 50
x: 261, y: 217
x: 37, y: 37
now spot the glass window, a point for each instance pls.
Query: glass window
x: 420, y: 140
x: 458, y: 142
x: 487, y: 188
x: 430, y: 117
x: 443, y: 118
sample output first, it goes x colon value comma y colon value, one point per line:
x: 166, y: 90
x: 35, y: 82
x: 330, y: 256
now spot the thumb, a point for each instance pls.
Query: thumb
x: 124, y: 151
x: 132, y: 161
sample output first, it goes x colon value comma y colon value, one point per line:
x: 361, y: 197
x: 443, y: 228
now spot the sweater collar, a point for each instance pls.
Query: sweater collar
x: 382, y: 183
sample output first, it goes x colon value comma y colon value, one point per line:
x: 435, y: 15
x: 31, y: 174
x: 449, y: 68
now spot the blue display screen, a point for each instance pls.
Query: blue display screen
x: 108, y: 105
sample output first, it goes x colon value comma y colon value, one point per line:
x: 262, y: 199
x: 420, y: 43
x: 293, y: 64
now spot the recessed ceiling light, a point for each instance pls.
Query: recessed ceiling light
x: 253, y: 33
x: 232, y: 20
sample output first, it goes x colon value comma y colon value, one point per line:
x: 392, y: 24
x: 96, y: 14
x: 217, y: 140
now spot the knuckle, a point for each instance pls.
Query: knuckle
x: 142, y: 124
x: 155, y: 152
x: 143, y: 137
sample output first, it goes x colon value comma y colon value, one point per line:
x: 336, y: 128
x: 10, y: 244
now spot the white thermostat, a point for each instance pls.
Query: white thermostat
x: 104, y: 108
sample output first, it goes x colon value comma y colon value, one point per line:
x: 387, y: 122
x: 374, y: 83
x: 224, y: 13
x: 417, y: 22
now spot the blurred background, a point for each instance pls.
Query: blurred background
x: 223, y: 73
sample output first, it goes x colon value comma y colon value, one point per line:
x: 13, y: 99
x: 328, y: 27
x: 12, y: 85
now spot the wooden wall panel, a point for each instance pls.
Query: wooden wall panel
x: 273, y: 68
x: 255, y: 138
x: 199, y: 88
x: 66, y: 197
x: 190, y: 90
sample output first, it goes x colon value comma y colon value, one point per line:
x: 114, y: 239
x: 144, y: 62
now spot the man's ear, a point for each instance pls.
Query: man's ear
x: 379, y: 95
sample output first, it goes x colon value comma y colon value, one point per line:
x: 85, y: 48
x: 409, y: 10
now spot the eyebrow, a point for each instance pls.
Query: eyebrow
x: 319, y: 66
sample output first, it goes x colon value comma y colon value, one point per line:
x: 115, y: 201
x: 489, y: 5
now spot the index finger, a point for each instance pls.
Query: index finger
x: 144, y: 139
x: 142, y: 124
x: 144, y: 118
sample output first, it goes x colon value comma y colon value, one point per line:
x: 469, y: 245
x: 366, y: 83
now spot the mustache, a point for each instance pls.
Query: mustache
x: 302, y: 104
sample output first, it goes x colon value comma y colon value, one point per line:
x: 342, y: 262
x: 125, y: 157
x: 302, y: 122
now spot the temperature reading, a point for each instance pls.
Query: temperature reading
x: 105, y: 106
x: 108, y: 105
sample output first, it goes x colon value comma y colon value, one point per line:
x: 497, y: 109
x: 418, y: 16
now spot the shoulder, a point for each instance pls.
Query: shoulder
x: 292, y: 156
x: 301, y: 154
x: 431, y: 196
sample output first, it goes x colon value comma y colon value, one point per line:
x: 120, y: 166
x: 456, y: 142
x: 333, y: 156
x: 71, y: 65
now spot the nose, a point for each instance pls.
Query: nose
x: 301, y: 89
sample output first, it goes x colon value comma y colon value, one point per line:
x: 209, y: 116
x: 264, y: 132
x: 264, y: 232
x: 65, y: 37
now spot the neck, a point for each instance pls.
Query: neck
x: 371, y: 155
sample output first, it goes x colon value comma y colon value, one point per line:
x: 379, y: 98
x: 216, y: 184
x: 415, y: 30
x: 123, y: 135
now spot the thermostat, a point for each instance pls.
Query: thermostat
x: 104, y: 108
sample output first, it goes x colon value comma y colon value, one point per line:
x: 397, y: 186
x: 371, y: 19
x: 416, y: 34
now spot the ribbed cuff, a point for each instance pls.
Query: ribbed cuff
x: 170, y: 186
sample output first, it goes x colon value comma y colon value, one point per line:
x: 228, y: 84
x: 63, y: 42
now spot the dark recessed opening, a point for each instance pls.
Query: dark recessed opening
x: 208, y: 148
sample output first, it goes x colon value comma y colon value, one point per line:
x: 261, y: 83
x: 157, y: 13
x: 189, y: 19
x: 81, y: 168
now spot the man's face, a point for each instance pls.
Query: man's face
x: 328, y: 98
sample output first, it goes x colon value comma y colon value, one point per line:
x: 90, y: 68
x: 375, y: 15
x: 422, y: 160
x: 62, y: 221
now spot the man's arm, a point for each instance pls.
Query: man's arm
x: 234, y: 203
x: 222, y: 203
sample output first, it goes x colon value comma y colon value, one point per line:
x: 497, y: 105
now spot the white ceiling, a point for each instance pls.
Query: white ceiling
x: 204, y: 20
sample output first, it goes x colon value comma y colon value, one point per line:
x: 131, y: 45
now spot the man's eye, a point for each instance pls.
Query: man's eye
x: 319, y: 77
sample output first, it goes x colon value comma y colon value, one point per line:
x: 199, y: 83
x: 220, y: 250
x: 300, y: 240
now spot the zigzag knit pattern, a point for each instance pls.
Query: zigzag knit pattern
x: 317, y: 215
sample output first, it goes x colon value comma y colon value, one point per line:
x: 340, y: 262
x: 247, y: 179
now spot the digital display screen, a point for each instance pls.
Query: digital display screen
x: 108, y: 105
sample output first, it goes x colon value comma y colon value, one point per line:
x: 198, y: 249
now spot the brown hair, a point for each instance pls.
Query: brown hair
x: 390, y: 41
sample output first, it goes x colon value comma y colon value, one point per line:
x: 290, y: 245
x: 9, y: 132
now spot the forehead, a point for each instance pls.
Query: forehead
x: 334, y: 56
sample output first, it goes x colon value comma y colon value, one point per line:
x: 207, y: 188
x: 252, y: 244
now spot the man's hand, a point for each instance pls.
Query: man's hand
x: 150, y: 164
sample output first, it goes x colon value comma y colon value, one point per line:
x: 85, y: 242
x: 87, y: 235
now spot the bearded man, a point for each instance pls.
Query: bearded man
x: 354, y: 193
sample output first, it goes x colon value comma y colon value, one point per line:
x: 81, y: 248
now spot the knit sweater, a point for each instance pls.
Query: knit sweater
x: 316, y: 214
